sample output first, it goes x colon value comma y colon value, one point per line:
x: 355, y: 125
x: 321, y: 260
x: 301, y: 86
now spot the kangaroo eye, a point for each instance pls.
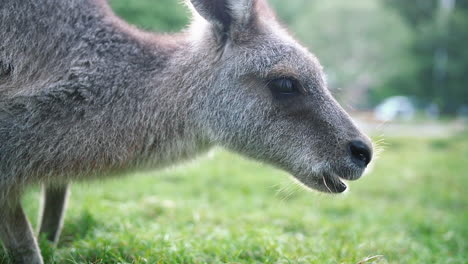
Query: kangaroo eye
x: 283, y: 87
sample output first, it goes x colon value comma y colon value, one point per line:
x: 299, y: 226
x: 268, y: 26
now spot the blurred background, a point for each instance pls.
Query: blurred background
x: 399, y: 67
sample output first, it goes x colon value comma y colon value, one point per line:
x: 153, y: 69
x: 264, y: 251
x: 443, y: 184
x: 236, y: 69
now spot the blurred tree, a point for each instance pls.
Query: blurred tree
x: 438, y: 71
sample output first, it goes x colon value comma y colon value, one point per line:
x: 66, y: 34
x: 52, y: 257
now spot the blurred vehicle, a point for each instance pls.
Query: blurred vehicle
x: 395, y: 107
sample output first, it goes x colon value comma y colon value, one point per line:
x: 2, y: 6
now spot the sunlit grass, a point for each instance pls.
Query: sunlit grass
x: 412, y: 208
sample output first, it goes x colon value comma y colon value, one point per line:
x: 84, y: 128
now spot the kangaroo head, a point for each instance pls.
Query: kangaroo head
x: 265, y: 96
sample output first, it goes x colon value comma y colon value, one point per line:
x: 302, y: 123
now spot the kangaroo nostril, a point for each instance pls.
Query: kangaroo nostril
x: 360, y: 153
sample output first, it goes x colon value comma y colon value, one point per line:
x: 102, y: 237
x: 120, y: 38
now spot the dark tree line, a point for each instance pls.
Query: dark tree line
x: 438, y: 53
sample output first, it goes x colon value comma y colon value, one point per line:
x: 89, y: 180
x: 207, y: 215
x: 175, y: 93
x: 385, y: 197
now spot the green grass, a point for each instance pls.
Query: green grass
x: 412, y: 208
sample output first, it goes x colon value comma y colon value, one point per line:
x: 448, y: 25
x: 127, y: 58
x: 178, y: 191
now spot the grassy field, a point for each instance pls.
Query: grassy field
x: 411, y: 208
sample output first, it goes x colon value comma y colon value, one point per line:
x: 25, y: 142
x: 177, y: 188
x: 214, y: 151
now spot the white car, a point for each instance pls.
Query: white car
x: 395, y: 107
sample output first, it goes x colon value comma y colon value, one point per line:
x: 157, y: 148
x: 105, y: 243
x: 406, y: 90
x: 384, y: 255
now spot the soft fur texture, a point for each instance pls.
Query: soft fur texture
x: 85, y: 95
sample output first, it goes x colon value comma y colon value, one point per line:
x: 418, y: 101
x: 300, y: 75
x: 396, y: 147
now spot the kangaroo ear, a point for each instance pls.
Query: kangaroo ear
x: 225, y: 14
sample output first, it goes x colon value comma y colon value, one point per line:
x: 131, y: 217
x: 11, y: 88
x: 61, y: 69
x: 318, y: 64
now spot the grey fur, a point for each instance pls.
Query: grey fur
x: 84, y: 95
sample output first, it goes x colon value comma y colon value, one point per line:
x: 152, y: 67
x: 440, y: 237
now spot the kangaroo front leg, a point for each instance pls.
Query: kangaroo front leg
x: 55, y: 200
x: 17, y: 236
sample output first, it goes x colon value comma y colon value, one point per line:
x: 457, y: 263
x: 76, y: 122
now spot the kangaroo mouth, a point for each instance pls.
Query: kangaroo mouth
x: 323, y: 182
x: 333, y: 183
x: 328, y: 181
x: 330, y: 178
x: 333, y: 180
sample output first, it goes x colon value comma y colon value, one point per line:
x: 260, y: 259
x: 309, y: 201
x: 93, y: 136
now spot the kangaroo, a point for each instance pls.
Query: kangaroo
x: 84, y: 95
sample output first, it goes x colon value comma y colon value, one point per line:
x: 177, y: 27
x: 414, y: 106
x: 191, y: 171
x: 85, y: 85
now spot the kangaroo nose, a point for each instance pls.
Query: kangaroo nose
x: 360, y: 153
